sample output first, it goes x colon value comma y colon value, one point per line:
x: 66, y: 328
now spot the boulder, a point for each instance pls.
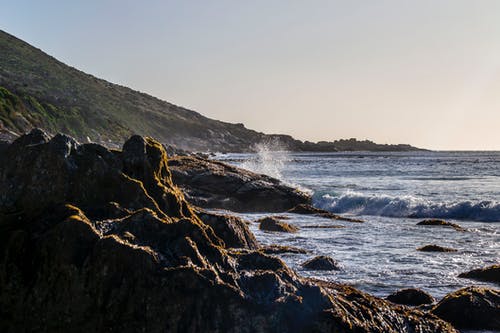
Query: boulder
x: 212, y: 184
x: 435, y: 248
x: 307, y: 209
x: 231, y: 229
x: 273, y: 224
x: 411, y: 296
x: 471, y: 308
x: 488, y: 274
x: 280, y: 249
x: 321, y: 263
x: 441, y: 223
x: 99, y: 240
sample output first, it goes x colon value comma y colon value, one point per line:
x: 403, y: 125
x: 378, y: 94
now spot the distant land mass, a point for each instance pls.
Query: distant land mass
x: 37, y: 90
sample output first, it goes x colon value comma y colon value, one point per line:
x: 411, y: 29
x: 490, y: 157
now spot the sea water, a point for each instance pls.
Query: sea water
x: 392, y: 192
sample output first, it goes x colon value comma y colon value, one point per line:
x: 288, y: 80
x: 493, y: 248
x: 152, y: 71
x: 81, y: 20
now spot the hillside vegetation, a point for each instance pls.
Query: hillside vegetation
x: 37, y: 90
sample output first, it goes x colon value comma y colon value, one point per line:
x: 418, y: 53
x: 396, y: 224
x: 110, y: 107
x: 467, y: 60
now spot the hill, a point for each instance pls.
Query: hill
x: 37, y: 90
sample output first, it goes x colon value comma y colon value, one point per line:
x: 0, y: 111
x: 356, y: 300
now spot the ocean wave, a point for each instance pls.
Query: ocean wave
x: 407, y: 206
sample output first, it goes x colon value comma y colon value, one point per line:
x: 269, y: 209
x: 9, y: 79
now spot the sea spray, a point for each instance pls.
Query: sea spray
x: 271, y: 158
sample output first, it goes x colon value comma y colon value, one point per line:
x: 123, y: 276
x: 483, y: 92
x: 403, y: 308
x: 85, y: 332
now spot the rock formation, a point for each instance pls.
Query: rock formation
x: 321, y: 263
x: 307, y: 209
x: 95, y: 240
x: 442, y: 223
x: 488, y: 274
x: 435, y: 248
x: 471, y: 308
x: 411, y: 296
x: 273, y: 224
x: 212, y: 184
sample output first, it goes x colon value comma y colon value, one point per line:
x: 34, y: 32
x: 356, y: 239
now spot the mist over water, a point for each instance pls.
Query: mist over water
x: 392, y: 192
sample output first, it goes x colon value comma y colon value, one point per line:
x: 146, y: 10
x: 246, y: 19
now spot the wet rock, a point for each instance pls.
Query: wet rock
x: 273, y: 224
x: 324, y: 226
x: 488, y: 274
x: 411, y: 296
x: 442, y: 223
x: 321, y: 263
x: 212, y: 184
x: 95, y: 240
x: 471, y: 308
x: 435, y: 248
x: 307, y: 209
x: 280, y: 249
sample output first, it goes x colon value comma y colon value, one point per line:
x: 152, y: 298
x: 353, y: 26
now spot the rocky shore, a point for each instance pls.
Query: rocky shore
x: 102, y: 240
x: 93, y: 239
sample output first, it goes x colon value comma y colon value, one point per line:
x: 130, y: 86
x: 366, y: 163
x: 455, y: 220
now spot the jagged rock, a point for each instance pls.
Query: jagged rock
x: 435, y: 248
x: 232, y: 229
x: 321, y: 263
x: 307, y: 209
x: 488, y: 274
x: 411, y: 296
x: 471, y: 308
x: 211, y: 184
x: 280, y: 249
x: 103, y: 241
x: 273, y: 224
x: 442, y: 223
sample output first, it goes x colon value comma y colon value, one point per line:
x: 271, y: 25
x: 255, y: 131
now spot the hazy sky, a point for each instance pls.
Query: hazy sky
x: 420, y: 72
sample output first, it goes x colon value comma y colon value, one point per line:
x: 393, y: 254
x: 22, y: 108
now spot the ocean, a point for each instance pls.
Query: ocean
x: 392, y: 192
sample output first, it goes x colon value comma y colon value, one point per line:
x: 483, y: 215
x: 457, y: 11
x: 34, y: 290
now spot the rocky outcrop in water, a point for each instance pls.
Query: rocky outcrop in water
x: 273, y: 224
x: 488, y: 274
x: 95, y: 240
x: 411, y: 296
x: 307, y: 209
x: 321, y: 263
x: 435, y: 248
x: 212, y: 184
x: 471, y: 308
x: 280, y: 249
x: 441, y: 223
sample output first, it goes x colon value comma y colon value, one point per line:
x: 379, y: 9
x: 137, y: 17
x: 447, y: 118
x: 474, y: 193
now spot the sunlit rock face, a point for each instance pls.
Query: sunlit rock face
x: 98, y: 240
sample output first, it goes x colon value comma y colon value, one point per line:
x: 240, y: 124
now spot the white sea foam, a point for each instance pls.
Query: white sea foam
x: 408, y: 206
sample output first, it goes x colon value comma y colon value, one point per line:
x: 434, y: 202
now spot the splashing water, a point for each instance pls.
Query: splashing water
x: 270, y: 159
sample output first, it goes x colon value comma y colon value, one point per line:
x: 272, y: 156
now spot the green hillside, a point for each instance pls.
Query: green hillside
x: 37, y: 90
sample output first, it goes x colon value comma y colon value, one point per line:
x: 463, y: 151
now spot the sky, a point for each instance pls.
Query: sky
x: 423, y: 72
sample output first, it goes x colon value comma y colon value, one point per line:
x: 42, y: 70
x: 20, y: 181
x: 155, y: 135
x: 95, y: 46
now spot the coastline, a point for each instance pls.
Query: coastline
x: 109, y: 228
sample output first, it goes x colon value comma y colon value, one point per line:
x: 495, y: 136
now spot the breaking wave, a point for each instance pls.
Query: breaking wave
x: 408, y: 206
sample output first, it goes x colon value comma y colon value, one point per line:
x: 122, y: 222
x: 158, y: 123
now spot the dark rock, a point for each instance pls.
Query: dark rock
x: 488, y: 274
x: 280, y: 249
x: 435, y: 222
x: 321, y: 263
x: 98, y: 240
x: 413, y: 297
x: 211, y: 184
x: 306, y: 209
x: 471, y: 308
x: 273, y: 224
x: 435, y: 248
x: 324, y: 226
x: 231, y: 229
x: 252, y: 261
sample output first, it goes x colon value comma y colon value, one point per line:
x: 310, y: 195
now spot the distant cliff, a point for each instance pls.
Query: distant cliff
x: 37, y: 90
